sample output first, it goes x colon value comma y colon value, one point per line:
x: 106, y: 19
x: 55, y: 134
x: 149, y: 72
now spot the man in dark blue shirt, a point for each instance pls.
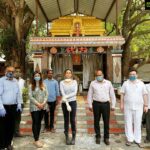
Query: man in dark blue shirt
x: 53, y: 93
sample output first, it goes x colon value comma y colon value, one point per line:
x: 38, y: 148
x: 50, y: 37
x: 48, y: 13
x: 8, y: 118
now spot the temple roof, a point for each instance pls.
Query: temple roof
x: 49, y: 10
x: 95, y: 41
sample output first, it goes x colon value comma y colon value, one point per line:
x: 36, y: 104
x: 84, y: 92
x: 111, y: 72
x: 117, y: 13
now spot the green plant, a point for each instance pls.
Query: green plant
x: 25, y: 95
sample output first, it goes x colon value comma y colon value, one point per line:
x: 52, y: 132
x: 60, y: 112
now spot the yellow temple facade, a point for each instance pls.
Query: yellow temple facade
x: 77, y: 26
x: 79, y: 43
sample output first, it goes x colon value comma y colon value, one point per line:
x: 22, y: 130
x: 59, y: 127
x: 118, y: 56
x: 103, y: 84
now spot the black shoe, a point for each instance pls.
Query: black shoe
x: 73, y: 138
x: 67, y: 139
x: 97, y: 140
x: 10, y: 147
x: 106, y: 141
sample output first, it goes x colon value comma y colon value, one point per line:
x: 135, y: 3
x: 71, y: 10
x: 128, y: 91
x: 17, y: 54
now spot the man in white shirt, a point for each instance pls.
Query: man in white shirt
x: 147, y: 140
x: 21, y: 83
x: 133, y: 101
x: 100, y: 94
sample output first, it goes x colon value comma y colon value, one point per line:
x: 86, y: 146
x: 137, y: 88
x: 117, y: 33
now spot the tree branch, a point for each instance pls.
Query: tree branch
x: 137, y: 18
x: 12, y: 5
x: 141, y: 33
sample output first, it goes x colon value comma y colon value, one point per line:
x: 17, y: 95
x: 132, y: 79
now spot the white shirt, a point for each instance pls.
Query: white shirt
x: 101, y: 92
x: 133, y: 94
x: 69, y: 90
x: 21, y: 84
x: 148, y: 90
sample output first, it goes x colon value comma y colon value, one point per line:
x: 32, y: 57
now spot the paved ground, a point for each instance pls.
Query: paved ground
x: 56, y: 141
x: 85, y: 137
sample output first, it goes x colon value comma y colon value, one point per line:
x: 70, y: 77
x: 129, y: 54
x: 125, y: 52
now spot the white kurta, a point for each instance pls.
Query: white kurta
x: 133, y: 108
x: 21, y: 83
x: 148, y: 90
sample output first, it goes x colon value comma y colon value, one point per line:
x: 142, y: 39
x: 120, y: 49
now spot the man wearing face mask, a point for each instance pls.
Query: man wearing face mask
x: 100, y: 94
x: 53, y: 94
x: 21, y: 83
x: 10, y: 102
x: 133, y: 101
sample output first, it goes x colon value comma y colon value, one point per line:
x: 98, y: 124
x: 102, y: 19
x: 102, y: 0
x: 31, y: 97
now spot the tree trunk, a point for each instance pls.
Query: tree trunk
x: 126, y: 59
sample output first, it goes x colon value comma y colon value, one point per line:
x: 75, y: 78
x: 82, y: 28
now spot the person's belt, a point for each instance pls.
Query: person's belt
x: 101, y: 102
x: 10, y: 105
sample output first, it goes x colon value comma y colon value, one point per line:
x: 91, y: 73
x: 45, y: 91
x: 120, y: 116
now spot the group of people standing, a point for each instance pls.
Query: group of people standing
x: 44, y: 96
x: 46, y: 92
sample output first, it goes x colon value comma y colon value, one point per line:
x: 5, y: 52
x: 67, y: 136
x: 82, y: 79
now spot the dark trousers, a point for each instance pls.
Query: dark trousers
x: 7, y: 125
x: 72, y: 115
x: 52, y: 106
x: 148, y: 125
x: 36, y: 123
x: 17, y: 122
x: 101, y: 108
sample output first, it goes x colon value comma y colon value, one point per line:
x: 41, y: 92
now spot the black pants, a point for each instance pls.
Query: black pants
x: 36, y: 123
x: 52, y: 106
x: 66, y: 113
x: 104, y: 109
x: 148, y: 125
x: 7, y: 125
x: 17, y: 121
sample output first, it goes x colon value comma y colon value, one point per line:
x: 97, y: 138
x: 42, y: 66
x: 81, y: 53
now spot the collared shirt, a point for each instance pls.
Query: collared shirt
x: 148, y: 90
x: 133, y: 94
x: 69, y: 90
x: 9, y: 92
x: 53, y: 89
x: 101, y: 92
x: 21, y: 84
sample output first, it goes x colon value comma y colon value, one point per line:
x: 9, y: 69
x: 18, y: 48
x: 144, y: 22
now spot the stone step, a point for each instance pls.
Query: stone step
x: 84, y: 119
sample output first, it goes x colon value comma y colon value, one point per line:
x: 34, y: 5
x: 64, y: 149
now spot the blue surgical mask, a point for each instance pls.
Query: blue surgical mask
x: 9, y: 75
x: 37, y: 78
x: 100, y: 78
x: 132, y: 78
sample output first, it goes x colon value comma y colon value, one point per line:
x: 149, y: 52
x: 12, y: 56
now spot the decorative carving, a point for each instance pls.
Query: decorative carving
x: 78, y: 25
x: 53, y: 50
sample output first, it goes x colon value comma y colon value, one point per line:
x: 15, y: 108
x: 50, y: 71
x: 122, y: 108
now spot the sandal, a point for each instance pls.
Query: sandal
x: 139, y: 145
x: 38, y: 144
x: 128, y: 143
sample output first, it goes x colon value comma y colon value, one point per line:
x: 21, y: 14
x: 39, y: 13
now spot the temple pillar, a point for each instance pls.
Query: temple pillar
x: 109, y: 65
x: 37, y: 61
x: 117, y: 70
x: 50, y: 61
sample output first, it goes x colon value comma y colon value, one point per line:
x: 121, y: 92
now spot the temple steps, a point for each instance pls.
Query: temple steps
x: 84, y: 119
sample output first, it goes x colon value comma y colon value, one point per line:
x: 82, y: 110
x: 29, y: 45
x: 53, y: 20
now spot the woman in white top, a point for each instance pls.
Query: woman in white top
x: 68, y: 88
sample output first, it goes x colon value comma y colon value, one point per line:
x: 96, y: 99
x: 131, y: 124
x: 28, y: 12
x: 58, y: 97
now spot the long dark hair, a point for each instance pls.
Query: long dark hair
x: 33, y: 82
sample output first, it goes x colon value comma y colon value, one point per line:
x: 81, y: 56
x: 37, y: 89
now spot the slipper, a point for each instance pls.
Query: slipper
x: 128, y: 143
x: 139, y: 145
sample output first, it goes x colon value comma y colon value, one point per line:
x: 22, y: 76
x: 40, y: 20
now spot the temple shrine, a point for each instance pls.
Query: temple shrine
x: 79, y: 42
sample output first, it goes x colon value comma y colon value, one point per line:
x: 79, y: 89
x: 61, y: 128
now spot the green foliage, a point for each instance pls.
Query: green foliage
x: 25, y: 95
x: 140, y: 45
x: 7, y: 41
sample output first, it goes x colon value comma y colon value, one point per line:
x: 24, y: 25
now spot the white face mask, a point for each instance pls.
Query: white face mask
x: 67, y: 80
